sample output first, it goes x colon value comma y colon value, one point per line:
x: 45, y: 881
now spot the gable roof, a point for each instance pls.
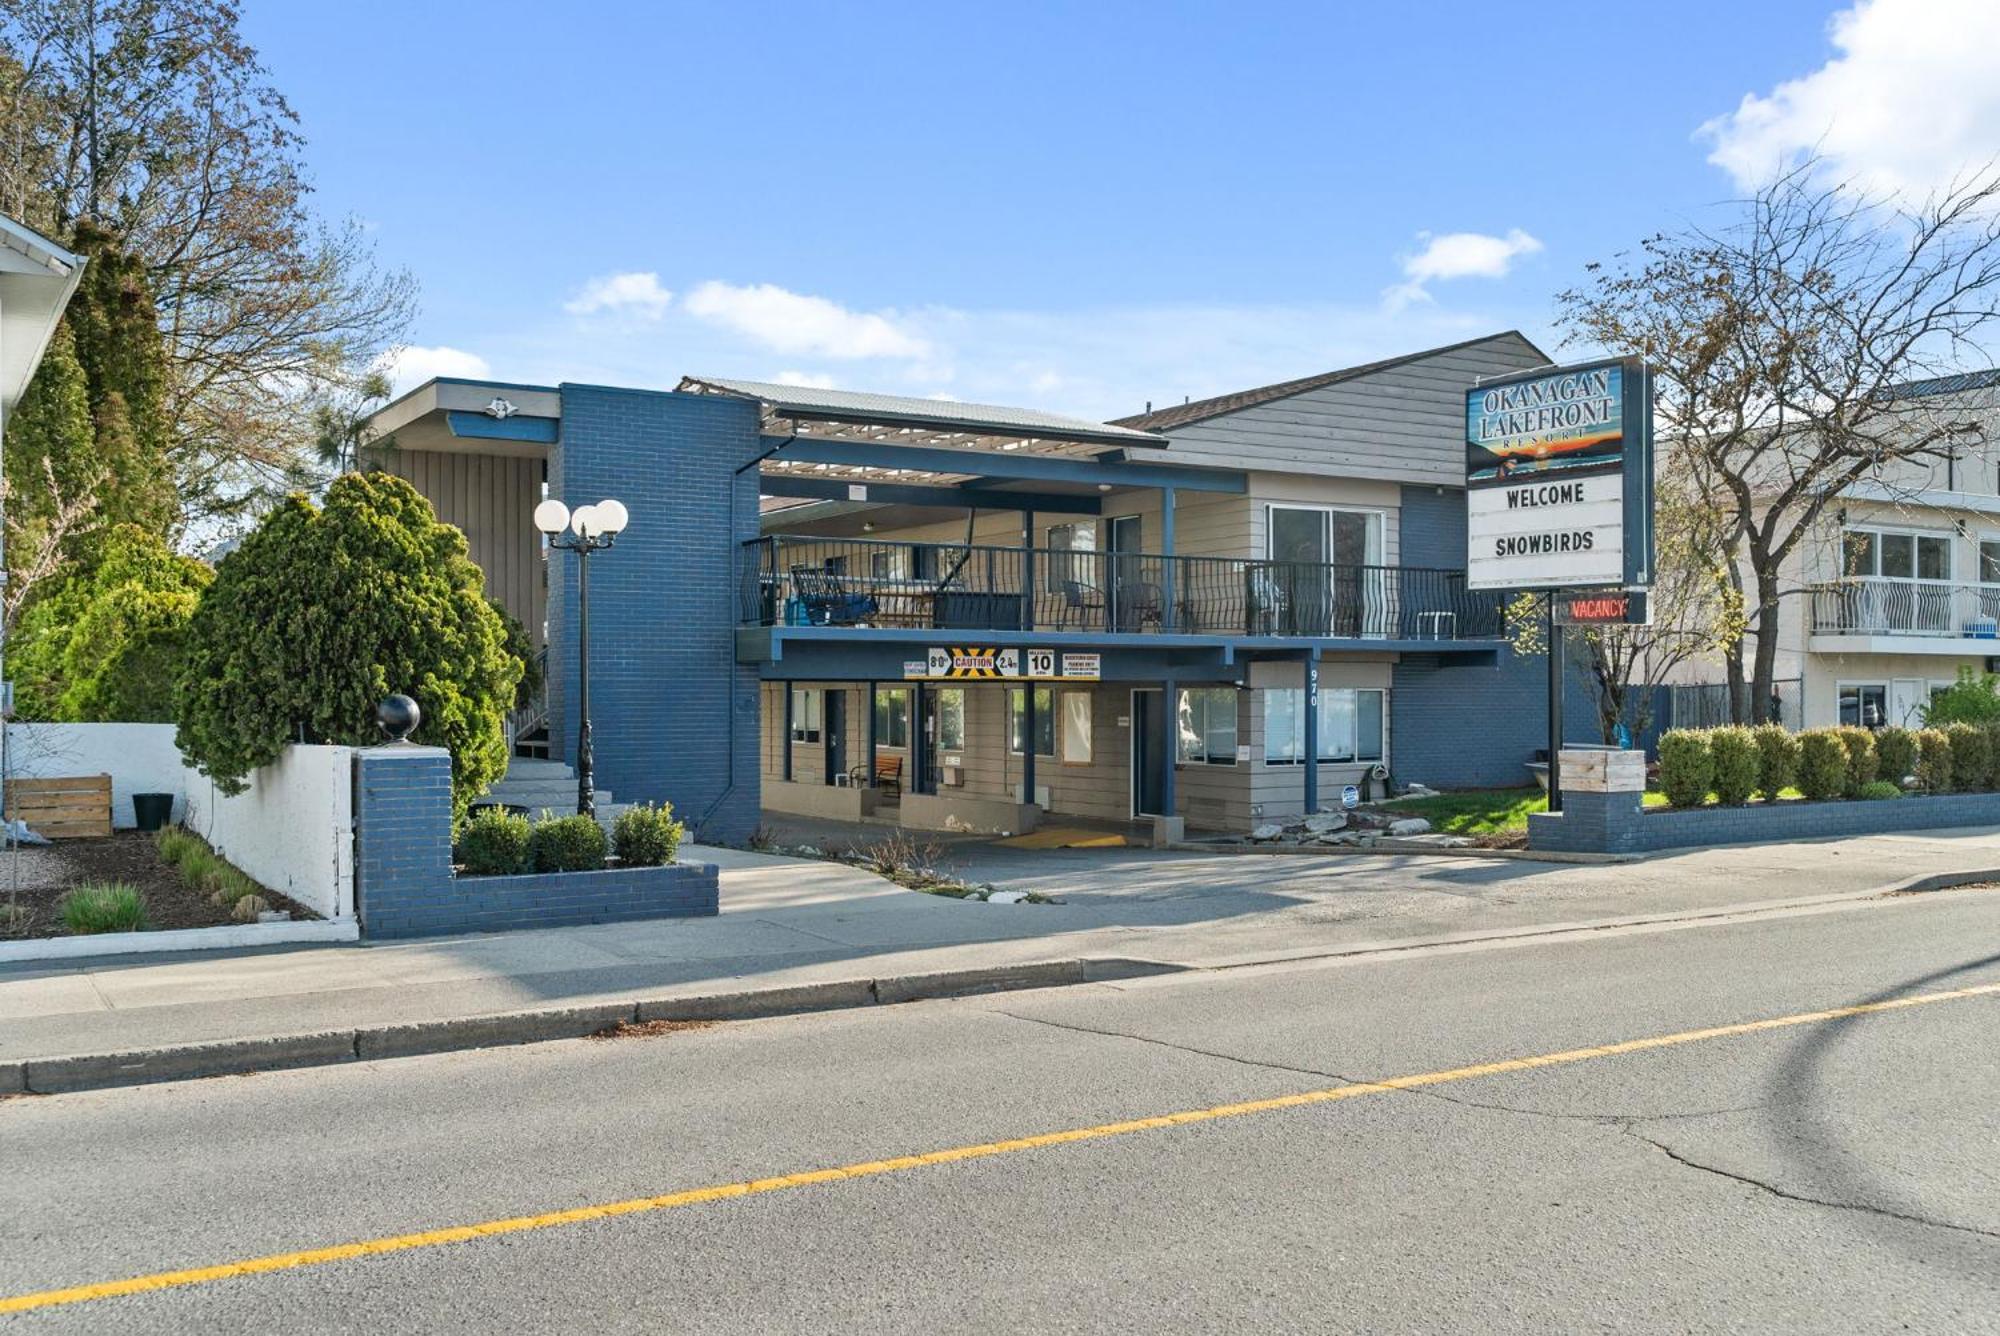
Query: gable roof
x: 1180, y: 415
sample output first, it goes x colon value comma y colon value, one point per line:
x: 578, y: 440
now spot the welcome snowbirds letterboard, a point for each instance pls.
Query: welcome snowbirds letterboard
x: 1559, y: 478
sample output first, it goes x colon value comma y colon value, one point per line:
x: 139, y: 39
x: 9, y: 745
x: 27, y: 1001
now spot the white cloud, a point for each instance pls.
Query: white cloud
x: 1449, y: 255
x: 806, y: 380
x: 407, y: 367
x: 1912, y: 100
x: 635, y: 294
x: 793, y: 322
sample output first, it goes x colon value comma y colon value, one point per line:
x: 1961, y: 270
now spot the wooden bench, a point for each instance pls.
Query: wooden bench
x: 67, y: 808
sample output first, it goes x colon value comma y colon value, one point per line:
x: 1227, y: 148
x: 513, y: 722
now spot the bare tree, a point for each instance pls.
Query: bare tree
x: 156, y: 120
x: 1781, y: 343
x: 37, y: 546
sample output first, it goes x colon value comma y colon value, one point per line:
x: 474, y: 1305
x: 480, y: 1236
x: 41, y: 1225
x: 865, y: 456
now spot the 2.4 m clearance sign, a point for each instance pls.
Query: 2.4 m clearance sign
x: 1559, y: 478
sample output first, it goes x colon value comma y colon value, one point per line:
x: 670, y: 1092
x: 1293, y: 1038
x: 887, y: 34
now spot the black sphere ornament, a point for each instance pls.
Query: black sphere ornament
x: 398, y: 716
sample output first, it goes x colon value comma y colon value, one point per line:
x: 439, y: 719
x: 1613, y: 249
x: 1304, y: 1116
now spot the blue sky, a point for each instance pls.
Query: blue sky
x: 1080, y: 207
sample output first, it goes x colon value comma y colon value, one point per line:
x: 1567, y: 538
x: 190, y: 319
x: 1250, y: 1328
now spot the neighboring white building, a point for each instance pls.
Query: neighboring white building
x: 1898, y: 585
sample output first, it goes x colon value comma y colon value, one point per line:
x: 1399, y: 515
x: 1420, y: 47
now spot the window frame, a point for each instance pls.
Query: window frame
x: 1066, y: 733
x: 808, y: 725
x: 945, y: 741
x: 1858, y: 686
x: 1017, y: 709
x: 1879, y: 540
x: 1204, y: 702
x: 884, y: 737
x: 1320, y: 748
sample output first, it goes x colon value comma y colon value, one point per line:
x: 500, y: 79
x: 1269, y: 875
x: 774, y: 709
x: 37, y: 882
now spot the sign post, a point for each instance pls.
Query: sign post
x: 1559, y: 496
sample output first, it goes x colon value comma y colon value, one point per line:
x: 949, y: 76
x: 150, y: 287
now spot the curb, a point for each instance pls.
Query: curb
x: 1395, y: 846
x: 239, y: 1057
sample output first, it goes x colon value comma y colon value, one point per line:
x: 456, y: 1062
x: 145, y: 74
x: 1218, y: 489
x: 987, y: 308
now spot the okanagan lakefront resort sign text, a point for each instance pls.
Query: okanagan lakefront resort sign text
x: 1552, y: 459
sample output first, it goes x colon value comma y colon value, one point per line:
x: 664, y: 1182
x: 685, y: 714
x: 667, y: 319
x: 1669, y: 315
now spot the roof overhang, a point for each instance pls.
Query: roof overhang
x: 36, y: 279
x: 922, y: 439
x: 485, y: 417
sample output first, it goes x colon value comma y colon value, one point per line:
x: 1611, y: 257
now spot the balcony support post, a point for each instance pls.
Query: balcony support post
x: 1169, y: 729
x: 1311, y: 724
x: 873, y: 741
x: 1028, y: 575
x: 785, y: 771
x: 1028, y: 742
x: 1167, y: 567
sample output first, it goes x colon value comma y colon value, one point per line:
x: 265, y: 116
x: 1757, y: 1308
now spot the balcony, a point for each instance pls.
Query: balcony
x: 1919, y: 616
x: 802, y: 580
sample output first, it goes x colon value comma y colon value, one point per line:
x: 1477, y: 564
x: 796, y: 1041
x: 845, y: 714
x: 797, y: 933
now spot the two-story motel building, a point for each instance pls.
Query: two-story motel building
x: 1219, y: 612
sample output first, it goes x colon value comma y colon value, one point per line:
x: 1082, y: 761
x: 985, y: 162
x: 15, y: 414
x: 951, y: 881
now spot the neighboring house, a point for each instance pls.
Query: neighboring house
x: 1898, y: 585
x: 762, y: 633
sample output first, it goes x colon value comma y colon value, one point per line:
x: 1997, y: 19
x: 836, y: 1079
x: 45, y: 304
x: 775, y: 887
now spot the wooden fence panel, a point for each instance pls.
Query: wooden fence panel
x: 72, y: 807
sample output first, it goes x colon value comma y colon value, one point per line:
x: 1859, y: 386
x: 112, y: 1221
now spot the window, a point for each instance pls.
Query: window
x: 1864, y: 703
x: 1076, y: 736
x: 892, y: 718
x: 1897, y: 556
x: 1206, y: 731
x: 1350, y: 724
x: 1068, y: 544
x: 1045, y: 721
x: 951, y: 718
x: 807, y: 714
x: 1989, y: 562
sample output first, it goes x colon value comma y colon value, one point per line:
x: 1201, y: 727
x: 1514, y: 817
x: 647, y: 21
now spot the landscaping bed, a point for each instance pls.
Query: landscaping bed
x: 50, y: 872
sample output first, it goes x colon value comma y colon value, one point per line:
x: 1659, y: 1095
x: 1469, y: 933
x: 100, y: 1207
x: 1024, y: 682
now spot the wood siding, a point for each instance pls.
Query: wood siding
x: 492, y: 499
x: 1405, y: 423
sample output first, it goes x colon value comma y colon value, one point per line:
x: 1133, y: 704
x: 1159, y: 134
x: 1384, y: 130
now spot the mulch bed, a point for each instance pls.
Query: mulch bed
x: 49, y: 872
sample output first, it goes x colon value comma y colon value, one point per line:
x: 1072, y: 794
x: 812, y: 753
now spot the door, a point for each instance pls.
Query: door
x: 834, y: 735
x: 1148, y: 753
x: 1123, y: 541
x: 1328, y: 577
x: 1907, y: 698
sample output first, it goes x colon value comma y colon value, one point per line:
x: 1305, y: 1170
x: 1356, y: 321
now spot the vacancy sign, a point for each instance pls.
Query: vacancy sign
x: 1559, y: 485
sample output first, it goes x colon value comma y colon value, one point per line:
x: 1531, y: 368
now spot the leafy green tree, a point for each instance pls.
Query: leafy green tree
x: 324, y: 611
x: 124, y: 360
x: 1973, y: 699
x: 50, y: 464
x: 105, y: 642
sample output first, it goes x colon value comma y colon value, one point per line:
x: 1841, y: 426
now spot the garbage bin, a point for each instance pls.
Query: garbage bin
x: 152, y: 810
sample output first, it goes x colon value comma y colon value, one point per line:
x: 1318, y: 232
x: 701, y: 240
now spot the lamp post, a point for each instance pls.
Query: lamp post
x: 585, y: 530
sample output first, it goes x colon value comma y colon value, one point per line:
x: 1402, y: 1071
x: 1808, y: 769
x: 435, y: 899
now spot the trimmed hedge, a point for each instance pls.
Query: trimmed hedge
x: 496, y: 843
x: 1881, y: 788
x: 1860, y: 744
x: 1934, y: 760
x: 1687, y: 767
x: 1971, y: 752
x: 1735, y: 764
x: 1822, y: 764
x: 1777, y: 759
x: 646, y: 836
x: 1895, y: 754
x: 567, y: 844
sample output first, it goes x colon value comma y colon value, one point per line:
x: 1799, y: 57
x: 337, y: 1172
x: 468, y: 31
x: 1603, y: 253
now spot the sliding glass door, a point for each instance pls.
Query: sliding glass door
x: 1326, y: 570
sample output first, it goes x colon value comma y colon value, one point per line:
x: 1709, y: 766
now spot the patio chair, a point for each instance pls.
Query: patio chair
x: 1079, y: 602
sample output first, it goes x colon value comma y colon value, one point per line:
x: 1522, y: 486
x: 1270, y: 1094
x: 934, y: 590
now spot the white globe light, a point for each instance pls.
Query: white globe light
x: 583, y: 521
x: 552, y: 516
x: 611, y: 517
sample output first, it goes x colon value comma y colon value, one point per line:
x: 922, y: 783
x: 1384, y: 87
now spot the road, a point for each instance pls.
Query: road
x: 1777, y: 1123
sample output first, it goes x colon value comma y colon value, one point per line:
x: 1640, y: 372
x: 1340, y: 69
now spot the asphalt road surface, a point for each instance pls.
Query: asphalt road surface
x: 1777, y: 1124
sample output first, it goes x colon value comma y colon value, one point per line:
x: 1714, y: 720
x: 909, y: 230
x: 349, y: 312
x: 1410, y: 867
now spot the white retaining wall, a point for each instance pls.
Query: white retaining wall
x: 140, y: 758
x: 292, y: 830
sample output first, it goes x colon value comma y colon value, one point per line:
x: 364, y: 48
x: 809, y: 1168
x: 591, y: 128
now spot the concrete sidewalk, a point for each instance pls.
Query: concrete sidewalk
x: 797, y: 934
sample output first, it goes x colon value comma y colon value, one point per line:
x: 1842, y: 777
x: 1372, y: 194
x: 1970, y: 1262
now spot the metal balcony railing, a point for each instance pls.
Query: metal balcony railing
x: 1897, y: 607
x: 803, y: 580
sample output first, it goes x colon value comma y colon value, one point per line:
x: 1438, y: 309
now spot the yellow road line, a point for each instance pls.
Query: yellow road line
x: 431, y: 1238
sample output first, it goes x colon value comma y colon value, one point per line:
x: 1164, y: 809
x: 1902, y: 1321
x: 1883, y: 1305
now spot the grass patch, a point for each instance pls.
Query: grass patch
x: 202, y: 869
x: 104, y: 907
x: 1475, y: 813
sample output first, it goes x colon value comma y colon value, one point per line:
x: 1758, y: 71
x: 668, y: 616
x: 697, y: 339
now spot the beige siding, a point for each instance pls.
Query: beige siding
x: 492, y: 498
x: 1405, y: 423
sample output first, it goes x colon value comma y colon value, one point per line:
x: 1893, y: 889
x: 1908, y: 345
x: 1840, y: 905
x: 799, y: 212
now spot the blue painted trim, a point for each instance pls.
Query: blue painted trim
x: 995, y: 464
x: 478, y: 426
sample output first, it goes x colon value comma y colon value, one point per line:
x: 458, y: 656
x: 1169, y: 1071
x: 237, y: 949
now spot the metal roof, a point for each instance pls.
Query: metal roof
x: 895, y: 419
x: 1958, y: 384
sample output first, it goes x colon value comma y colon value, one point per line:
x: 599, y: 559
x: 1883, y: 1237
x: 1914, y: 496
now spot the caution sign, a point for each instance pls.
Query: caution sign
x: 976, y: 662
x: 968, y: 662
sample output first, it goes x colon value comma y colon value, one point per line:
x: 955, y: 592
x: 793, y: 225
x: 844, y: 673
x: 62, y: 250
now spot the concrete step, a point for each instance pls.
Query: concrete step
x: 528, y: 767
x: 558, y: 796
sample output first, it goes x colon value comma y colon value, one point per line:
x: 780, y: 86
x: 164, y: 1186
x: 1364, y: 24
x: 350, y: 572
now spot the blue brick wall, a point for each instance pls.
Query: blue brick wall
x: 674, y: 716
x: 1615, y: 823
x: 403, y: 876
x: 1460, y: 725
